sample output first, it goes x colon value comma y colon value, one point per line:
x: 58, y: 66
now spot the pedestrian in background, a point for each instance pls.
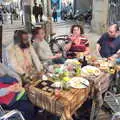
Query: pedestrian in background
x: 54, y: 14
x: 40, y: 12
x: 36, y: 12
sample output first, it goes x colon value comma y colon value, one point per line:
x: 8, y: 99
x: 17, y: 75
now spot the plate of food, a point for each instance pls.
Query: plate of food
x: 90, y: 71
x: 79, y: 82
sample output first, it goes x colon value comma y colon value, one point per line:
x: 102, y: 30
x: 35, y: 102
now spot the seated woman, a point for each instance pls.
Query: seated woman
x: 21, y: 56
x: 43, y: 49
x: 12, y: 95
x: 79, y: 42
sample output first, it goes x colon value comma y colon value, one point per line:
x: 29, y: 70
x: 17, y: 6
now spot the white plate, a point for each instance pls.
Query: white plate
x: 57, y: 84
x: 90, y: 70
x: 79, y: 82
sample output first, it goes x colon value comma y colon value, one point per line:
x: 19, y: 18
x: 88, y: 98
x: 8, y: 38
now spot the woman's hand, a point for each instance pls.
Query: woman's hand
x: 87, y: 51
x: 15, y: 88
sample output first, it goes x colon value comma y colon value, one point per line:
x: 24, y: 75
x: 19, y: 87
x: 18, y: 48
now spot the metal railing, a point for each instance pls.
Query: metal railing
x: 10, y: 115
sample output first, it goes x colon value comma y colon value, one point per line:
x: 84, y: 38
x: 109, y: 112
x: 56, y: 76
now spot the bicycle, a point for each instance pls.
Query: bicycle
x: 57, y: 44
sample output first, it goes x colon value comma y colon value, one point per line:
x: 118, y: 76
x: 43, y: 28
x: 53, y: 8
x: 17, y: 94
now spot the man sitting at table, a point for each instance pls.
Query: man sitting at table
x: 43, y: 49
x: 109, y: 42
x: 12, y: 95
x: 21, y: 57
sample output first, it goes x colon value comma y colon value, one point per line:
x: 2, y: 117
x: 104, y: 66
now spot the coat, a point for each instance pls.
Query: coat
x: 15, y: 59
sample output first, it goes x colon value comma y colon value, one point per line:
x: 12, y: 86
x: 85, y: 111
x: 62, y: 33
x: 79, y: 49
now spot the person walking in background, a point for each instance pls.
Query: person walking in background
x: 40, y: 12
x: 36, y: 12
x: 54, y: 14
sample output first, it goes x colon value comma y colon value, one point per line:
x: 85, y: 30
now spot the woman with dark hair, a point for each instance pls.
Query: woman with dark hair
x: 22, y: 57
x: 17, y: 36
x: 79, y: 42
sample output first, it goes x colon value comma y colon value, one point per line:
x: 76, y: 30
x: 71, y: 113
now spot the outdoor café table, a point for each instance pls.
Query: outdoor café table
x: 64, y: 106
x: 99, y: 86
x: 69, y: 100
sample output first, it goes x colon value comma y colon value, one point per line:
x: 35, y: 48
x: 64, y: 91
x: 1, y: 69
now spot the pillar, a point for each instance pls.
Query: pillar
x: 100, y: 15
x: 49, y: 16
x: 0, y: 42
x: 27, y: 15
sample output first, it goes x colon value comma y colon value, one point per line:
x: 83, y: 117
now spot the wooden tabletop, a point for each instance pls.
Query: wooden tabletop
x: 69, y: 100
x: 64, y: 106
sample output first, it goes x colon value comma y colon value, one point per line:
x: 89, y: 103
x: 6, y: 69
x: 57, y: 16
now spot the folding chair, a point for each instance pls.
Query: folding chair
x: 10, y: 115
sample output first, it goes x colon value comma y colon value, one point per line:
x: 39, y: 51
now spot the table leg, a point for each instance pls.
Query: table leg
x: 94, y: 111
x: 66, y: 115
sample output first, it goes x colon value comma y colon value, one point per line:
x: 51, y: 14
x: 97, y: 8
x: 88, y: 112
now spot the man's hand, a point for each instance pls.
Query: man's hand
x: 58, y: 55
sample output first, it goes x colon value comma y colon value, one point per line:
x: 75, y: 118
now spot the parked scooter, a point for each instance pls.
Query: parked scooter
x: 67, y: 15
x: 83, y: 15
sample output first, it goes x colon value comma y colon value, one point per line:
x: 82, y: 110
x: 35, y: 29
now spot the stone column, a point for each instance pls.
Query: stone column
x: 100, y: 15
x: 49, y: 15
x: 27, y: 15
x: 44, y: 2
x: 0, y: 42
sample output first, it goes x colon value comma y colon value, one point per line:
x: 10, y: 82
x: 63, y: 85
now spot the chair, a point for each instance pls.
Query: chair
x: 10, y: 115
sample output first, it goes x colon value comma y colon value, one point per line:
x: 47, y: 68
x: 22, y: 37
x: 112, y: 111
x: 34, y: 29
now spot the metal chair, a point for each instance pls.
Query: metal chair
x: 10, y: 115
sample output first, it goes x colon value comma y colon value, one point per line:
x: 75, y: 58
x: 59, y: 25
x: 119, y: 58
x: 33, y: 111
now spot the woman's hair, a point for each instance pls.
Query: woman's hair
x: 18, y: 36
x: 116, y: 25
x: 18, y: 40
x: 78, y: 26
x: 35, y: 31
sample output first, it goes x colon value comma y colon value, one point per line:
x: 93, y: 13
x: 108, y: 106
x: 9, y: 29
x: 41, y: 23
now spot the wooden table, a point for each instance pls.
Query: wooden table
x: 99, y: 85
x: 64, y: 106
x: 69, y: 100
